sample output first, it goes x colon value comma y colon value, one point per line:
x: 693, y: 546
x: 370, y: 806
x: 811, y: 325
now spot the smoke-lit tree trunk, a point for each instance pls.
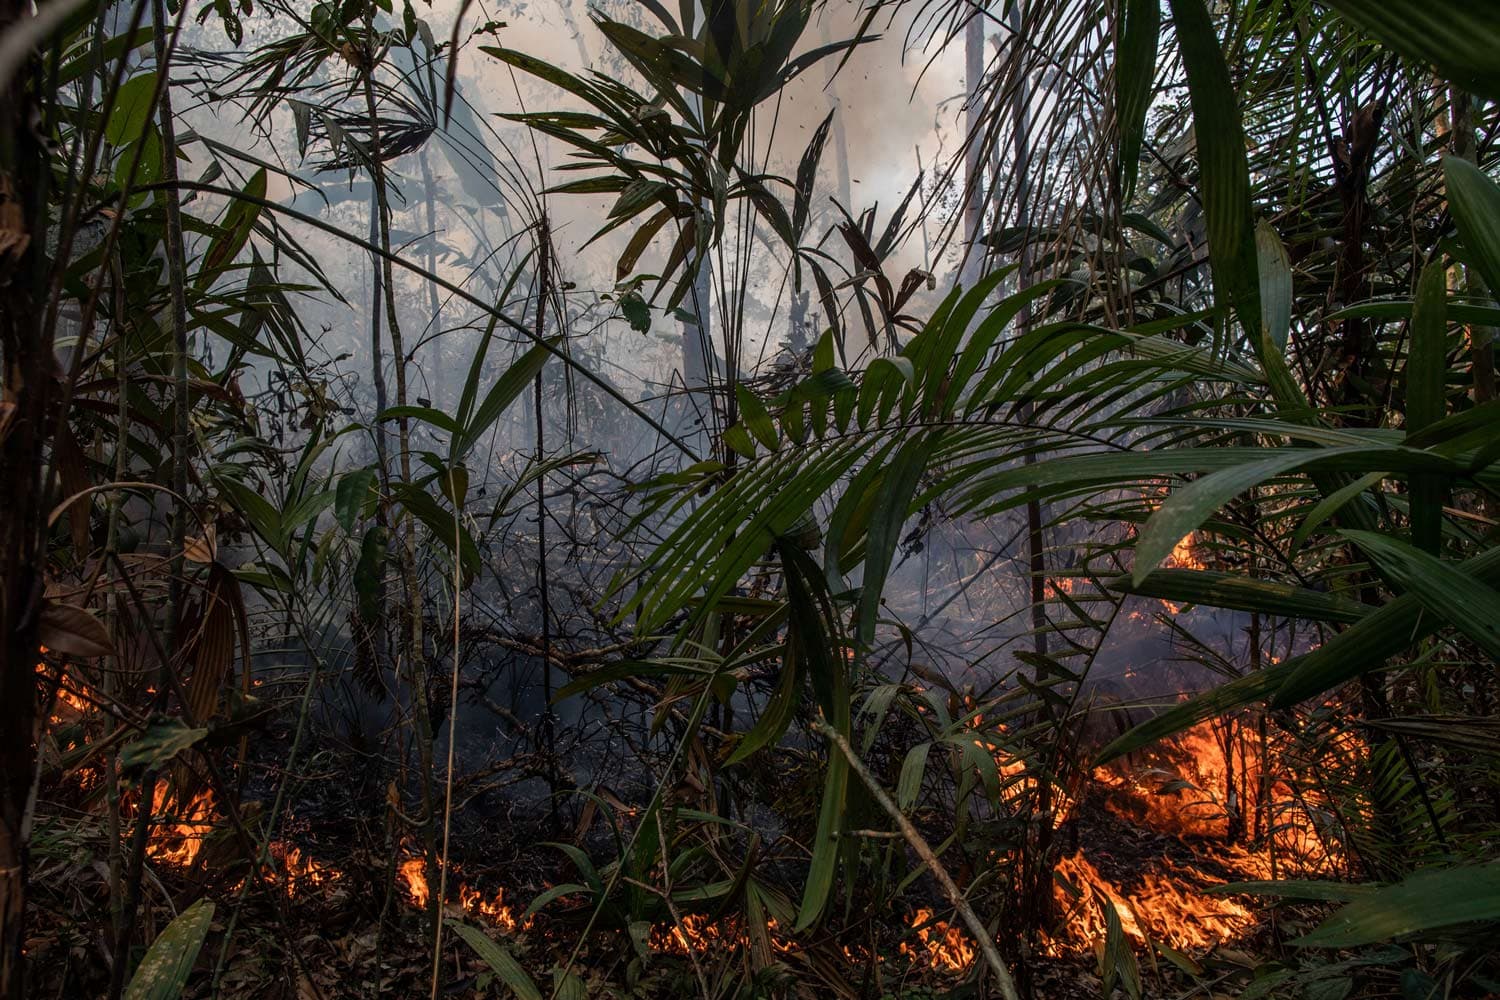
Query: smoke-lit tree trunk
x: 24, y: 422
x: 434, y: 304
x: 697, y: 336
x: 973, y: 150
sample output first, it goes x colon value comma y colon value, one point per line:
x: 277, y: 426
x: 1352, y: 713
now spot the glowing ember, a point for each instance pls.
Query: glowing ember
x: 696, y: 933
x: 942, y: 946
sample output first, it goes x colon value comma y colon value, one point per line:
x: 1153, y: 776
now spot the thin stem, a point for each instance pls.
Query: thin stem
x: 971, y: 919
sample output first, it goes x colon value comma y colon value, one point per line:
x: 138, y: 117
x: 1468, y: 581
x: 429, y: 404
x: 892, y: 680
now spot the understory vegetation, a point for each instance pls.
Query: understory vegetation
x: 544, y: 502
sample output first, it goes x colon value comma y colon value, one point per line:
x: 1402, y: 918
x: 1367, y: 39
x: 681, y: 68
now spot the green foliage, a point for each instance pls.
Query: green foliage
x: 164, y: 972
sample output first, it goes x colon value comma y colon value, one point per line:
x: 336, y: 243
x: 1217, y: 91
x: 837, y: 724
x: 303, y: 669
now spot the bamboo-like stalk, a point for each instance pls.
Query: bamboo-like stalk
x: 164, y: 45
x: 442, y: 893
x: 549, y: 728
x: 413, y: 653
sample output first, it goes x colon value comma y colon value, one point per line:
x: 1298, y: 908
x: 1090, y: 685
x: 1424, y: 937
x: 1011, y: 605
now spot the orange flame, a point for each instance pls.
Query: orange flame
x: 943, y: 946
x: 178, y: 836
x: 1168, y: 907
x: 412, y: 873
x: 304, y: 874
x: 495, y: 911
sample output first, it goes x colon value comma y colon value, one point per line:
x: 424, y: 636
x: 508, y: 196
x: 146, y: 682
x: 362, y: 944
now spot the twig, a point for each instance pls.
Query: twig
x: 437, y: 933
x: 950, y: 889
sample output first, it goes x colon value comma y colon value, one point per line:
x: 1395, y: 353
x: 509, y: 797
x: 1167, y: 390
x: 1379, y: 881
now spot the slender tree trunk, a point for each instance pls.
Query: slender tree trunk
x: 973, y: 152
x: 413, y: 651
x: 549, y: 728
x: 434, y: 304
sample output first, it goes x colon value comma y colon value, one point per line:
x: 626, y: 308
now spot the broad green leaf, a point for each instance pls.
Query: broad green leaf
x: 1446, y: 592
x: 427, y: 414
x: 913, y: 768
x: 159, y: 743
x: 755, y: 417
x: 234, y: 231
x: 1135, y: 71
x: 1330, y: 505
x: 1426, y: 403
x: 1432, y: 899
x: 369, y: 572
x: 264, y: 518
x: 443, y: 525
x: 132, y: 109
x: 553, y: 894
x: 740, y: 440
x: 350, y: 495
x: 1336, y: 892
x: 499, y: 960
x: 1118, y: 959
x: 1224, y: 174
x: 1366, y: 646
x: 897, y: 488
x: 501, y: 395
x: 808, y: 606
x: 1189, y: 506
x: 778, y: 712
x: 825, y: 856
x: 1275, y: 286
x: 164, y: 971
x: 1241, y: 593
x: 1459, y: 38
x: 1474, y: 200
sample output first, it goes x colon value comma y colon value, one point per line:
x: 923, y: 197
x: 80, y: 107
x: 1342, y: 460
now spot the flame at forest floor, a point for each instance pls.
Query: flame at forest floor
x: 492, y: 910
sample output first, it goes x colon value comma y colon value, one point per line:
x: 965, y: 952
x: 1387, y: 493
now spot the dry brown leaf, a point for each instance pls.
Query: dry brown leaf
x: 202, y: 548
x: 72, y: 631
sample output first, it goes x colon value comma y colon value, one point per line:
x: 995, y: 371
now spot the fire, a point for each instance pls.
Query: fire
x: 1212, y: 782
x: 1155, y: 796
x: 412, y: 873
x: 1169, y: 907
x: 943, y: 946
x: 1183, y: 556
x: 178, y: 836
x: 494, y: 910
x: 472, y: 902
x: 70, y: 704
x: 696, y: 933
x: 304, y: 874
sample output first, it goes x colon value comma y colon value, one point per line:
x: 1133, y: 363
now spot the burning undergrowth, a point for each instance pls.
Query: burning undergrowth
x: 1139, y: 845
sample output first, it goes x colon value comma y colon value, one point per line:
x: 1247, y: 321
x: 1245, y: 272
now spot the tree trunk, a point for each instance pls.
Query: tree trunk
x: 29, y: 371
